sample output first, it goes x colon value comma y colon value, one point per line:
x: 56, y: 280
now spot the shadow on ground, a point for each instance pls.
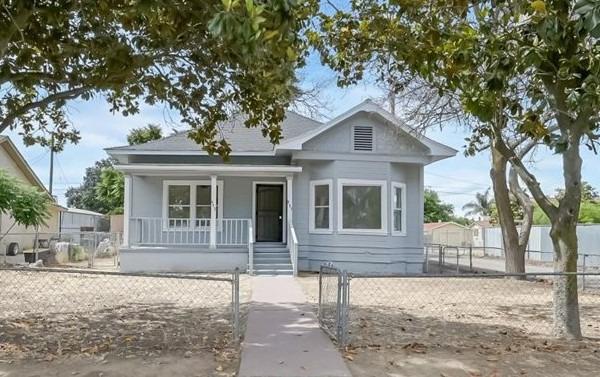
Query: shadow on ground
x: 388, y: 341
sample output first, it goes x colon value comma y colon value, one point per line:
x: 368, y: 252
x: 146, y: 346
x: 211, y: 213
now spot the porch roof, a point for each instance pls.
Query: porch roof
x: 218, y: 169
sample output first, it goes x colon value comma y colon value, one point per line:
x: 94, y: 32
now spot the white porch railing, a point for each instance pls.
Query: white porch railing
x: 187, y: 232
x: 294, y: 249
x: 250, y: 248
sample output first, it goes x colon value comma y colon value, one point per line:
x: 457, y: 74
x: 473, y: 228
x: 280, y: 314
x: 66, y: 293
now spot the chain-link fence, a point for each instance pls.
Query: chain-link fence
x: 408, y: 309
x: 441, y: 258
x: 81, y: 249
x: 51, y: 312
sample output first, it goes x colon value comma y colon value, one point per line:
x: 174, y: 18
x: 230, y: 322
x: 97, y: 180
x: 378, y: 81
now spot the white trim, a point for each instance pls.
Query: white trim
x: 124, y: 152
x: 126, y: 208
x: 402, y: 186
x: 284, y: 224
x: 311, y: 219
x: 192, y: 184
x: 238, y: 170
x: 384, y: 212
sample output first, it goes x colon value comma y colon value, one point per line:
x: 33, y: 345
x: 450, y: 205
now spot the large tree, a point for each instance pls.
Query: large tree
x: 203, y: 59
x: 527, y: 72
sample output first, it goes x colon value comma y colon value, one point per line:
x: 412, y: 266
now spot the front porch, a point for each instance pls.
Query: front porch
x: 183, y: 220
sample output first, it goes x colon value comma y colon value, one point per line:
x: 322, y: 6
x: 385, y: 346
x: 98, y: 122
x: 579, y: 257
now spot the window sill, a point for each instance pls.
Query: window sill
x: 399, y: 234
x: 319, y: 231
x: 364, y: 232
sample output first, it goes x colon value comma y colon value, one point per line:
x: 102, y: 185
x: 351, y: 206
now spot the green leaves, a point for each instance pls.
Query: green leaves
x: 25, y: 204
x: 589, y: 10
x: 204, y: 60
x: 111, y: 189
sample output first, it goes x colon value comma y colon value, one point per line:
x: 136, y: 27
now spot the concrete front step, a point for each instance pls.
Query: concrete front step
x: 273, y: 266
x: 272, y: 260
x: 269, y: 250
x: 270, y: 254
x: 274, y: 272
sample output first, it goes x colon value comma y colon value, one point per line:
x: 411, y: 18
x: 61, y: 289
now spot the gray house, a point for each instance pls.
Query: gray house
x: 349, y: 191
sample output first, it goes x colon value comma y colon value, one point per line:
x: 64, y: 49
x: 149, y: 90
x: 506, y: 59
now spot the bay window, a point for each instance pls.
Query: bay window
x: 320, y: 206
x: 362, y: 206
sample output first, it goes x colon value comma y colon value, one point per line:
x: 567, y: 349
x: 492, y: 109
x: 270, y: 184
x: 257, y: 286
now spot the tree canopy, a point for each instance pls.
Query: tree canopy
x: 435, y: 209
x: 203, y: 59
x: 481, y: 206
x: 26, y: 205
x: 144, y: 134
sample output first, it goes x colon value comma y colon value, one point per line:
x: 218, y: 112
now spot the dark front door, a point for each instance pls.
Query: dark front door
x: 269, y: 213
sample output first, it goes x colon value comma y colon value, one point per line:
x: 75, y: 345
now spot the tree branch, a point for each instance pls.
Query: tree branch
x: 66, y: 95
x: 532, y: 184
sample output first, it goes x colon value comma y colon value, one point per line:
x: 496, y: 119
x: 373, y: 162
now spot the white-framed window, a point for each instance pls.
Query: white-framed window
x: 362, y: 206
x: 398, y: 209
x: 320, y: 206
x: 187, y: 203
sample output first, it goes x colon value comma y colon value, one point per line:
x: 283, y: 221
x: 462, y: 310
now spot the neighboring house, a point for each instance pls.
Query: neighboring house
x: 14, y: 163
x: 478, y: 231
x: 75, y: 220
x: 447, y: 233
x: 348, y: 191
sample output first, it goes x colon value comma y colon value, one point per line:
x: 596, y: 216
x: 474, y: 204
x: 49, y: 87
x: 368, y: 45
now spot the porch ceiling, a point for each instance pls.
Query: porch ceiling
x: 222, y: 170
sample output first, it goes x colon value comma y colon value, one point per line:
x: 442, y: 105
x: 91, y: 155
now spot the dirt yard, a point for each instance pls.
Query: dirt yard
x: 462, y: 327
x: 90, y: 324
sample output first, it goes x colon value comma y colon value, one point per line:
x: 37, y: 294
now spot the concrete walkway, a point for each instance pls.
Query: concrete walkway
x: 283, y: 337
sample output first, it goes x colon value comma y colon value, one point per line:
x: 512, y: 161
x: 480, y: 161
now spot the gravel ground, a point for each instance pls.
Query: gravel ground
x: 53, y: 317
x: 462, y: 327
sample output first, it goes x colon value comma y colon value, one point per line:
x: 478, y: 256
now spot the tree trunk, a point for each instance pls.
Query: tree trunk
x: 514, y: 258
x: 564, y: 240
x: 565, y: 296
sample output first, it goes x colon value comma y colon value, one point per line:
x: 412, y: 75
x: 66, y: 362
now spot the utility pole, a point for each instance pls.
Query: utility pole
x: 51, y: 163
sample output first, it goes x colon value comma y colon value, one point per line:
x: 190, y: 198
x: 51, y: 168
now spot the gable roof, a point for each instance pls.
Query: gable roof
x: 428, y: 227
x: 436, y: 150
x: 18, y: 158
x: 243, y: 140
x: 296, y: 130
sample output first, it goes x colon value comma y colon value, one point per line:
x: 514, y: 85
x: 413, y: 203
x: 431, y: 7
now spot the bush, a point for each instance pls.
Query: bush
x: 77, y: 253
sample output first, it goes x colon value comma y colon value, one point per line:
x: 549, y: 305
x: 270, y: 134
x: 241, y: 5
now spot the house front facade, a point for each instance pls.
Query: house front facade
x: 348, y: 191
x: 20, y: 238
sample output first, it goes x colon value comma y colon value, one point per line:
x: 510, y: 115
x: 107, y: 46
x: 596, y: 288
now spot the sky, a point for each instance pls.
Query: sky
x: 456, y: 179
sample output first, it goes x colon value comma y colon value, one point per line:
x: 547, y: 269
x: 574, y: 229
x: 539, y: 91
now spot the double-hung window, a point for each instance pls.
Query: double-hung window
x: 188, y: 203
x: 398, y: 209
x: 362, y: 206
x: 320, y: 206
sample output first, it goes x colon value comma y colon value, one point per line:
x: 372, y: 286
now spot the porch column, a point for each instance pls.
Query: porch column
x: 126, y: 209
x: 213, y: 212
x: 290, y: 214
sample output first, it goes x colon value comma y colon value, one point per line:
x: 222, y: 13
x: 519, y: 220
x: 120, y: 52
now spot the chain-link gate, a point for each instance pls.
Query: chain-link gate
x: 334, y: 297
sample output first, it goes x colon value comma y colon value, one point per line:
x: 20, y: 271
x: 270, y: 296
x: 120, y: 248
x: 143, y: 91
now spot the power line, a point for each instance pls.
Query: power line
x: 454, y: 178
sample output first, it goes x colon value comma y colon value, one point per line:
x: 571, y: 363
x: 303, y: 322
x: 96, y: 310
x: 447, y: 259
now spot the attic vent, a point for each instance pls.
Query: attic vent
x: 363, y: 138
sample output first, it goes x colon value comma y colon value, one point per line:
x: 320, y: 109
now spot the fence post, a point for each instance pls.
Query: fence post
x: 319, y: 311
x: 457, y: 260
x: 471, y: 258
x: 343, y: 339
x: 426, y: 259
x: 440, y: 258
x: 583, y: 276
x: 338, y: 309
x: 235, y: 300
